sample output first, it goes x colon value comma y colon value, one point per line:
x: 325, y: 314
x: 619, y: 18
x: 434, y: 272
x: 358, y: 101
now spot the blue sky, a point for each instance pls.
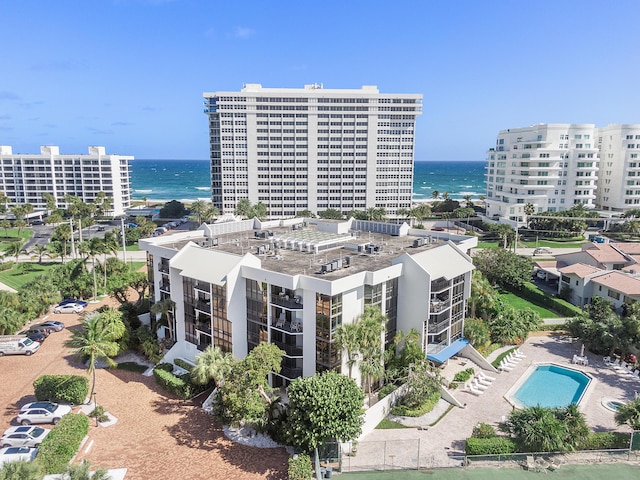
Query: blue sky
x: 129, y: 74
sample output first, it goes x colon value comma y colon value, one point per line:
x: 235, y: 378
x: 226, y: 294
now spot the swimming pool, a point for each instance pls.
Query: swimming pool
x: 549, y: 386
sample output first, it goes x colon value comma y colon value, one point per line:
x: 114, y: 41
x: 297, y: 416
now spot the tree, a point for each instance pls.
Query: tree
x: 401, y: 354
x: 306, y: 213
x: 435, y: 194
x: 477, y: 332
x: 331, y: 213
x: 371, y: 326
x: 323, y: 408
x: 82, y: 471
x: 421, y: 212
x: 503, y: 267
x: 21, y: 470
x: 14, y: 249
x: 483, y: 297
x: 163, y: 308
x: 210, y: 213
x: 173, y: 209
x: 97, y: 340
x: 260, y: 211
x: 244, y: 208
x: 629, y: 414
x: 5, y: 225
x: 513, y: 326
x: 347, y: 338
x: 197, y: 208
x: 40, y: 251
x: 212, y: 365
x: 245, y: 393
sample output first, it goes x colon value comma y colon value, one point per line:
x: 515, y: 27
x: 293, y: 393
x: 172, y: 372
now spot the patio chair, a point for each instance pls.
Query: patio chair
x: 471, y: 389
x: 505, y: 367
x: 478, y: 386
x: 529, y: 463
x: 607, y: 360
x: 482, y: 381
x: 512, y: 358
x: 519, y: 354
x: 486, y: 377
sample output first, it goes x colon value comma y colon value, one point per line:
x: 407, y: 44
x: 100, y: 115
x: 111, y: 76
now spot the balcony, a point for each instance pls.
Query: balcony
x: 439, y: 285
x: 204, y: 327
x: 291, y: 373
x: 291, y: 303
x: 436, y: 328
x: 290, y: 350
x: 163, y: 267
x: 165, y: 287
x: 203, y: 306
x: 438, y: 306
x: 203, y: 287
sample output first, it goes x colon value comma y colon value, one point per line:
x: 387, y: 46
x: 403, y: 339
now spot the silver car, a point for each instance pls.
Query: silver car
x: 23, y: 436
x: 41, y: 412
x: 16, y: 454
x: 68, y: 308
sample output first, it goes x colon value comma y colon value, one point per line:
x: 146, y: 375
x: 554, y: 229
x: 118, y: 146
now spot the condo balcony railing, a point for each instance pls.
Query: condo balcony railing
x: 438, y: 286
x: 203, y: 286
x: 163, y: 267
x: 204, y: 306
x: 291, y: 302
x: 291, y: 373
x: 437, y: 347
x: 436, y: 328
x: 439, y: 306
x: 289, y: 350
x: 166, y: 287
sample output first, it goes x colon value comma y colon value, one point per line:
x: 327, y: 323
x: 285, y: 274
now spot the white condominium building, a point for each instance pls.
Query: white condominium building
x: 24, y: 178
x: 293, y: 282
x: 552, y: 166
x: 312, y: 148
x: 619, y: 175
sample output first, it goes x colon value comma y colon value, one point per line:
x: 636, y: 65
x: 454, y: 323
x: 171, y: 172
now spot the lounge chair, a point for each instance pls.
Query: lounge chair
x: 607, y: 360
x: 529, y: 463
x: 512, y: 358
x: 482, y: 381
x: 615, y: 364
x: 478, y: 386
x: 486, y: 377
x: 505, y: 367
x: 518, y: 353
x: 471, y: 389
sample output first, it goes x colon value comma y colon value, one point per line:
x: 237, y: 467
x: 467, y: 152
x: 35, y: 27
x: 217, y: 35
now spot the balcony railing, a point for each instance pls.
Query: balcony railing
x: 291, y: 373
x: 438, y: 286
x: 292, y: 303
x: 203, y: 286
x: 439, y: 306
x: 203, y: 306
x: 163, y: 267
x: 438, y: 327
x: 290, y: 350
x: 166, y: 287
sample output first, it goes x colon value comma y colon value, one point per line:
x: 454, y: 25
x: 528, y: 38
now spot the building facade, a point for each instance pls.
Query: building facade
x: 293, y: 282
x: 552, y: 166
x: 619, y: 175
x: 312, y: 148
x: 24, y: 178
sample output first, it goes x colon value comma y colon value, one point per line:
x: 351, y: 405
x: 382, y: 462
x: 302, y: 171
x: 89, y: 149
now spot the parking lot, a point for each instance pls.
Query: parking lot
x: 155, y: 436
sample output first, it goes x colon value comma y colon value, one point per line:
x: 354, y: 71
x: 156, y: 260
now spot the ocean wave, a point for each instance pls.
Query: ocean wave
x: 202, y: 188
x: 143, y: 191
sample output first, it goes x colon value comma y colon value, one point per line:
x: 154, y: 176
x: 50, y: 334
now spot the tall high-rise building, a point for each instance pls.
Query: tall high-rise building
x: 312, y: 148
x: 551, y: 166
x: 619, y: 175
x: 25, y: 177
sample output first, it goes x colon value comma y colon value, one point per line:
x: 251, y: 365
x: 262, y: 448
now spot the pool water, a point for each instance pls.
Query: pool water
x: 551, y: 386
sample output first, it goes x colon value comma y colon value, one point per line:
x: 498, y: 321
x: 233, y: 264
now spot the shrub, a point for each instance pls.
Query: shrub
x: 489, y: 446
x: 387, y: 389
x: 425, y: 407
x: 59, y: 447
x: 71, y: 389
x: 605, y: 440
x: 484, y: 430
x: 464, y: 375
x: 6, y: 266
x: 535, y: 295
x: 99, y: 413
x: 166, y: 366
x: 172, y: 383
x: 181, y: 363
x: 300, y: 467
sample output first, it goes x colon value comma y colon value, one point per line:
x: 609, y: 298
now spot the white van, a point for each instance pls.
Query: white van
x: 17, y: 345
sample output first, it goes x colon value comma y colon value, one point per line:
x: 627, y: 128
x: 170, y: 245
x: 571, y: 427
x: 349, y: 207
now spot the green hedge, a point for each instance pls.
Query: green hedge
x: 489, y: 446
x: 605, y: 441
x: 181, y: 363
x: 6, y: 266
x: 69, y: 389
x: 387, y: 389
x: 535, y: 295
x: 59, y: 447
x: 172, y: 383
x: 425, y: 407
x: 463, y: 375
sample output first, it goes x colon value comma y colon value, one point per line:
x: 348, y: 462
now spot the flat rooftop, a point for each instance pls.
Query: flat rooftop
x: 276, y: 254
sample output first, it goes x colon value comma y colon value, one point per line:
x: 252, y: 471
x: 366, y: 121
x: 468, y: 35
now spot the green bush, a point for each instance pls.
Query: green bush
x: 387, y: 389
x: 166, y: 366
x: 6, y: 266
x: 484, y: 430
x: 464, y: 375
x: 181, y: 363
x: 300, y: 467
x: 489, y: 446
x: 425, y: 407
x: 172, y: 383
x: 59, y: 447
x: 70, y: 389
x: 605, y: 440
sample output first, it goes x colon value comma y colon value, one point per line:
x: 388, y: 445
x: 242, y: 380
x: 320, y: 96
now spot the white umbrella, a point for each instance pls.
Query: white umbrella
x: 582, y: 350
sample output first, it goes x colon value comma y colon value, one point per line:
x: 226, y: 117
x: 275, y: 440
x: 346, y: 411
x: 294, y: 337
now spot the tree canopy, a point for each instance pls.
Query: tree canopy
x: 503, y: 267
x: 323, y: 407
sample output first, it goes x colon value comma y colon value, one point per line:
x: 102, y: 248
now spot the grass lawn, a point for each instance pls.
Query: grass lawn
x: 619, y: 471
x: 11, y: 235
x: 387, y: 424
x: 16, y: 277
x: 520, y: 303
x: 135, y: 266
x: 131, y: 248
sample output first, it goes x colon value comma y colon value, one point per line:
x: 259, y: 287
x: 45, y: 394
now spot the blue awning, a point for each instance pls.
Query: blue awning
x: 448, y: 352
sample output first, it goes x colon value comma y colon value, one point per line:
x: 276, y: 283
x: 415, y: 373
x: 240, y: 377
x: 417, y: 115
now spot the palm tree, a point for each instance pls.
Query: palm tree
x: 435, y: 194
x: 81, y: 471
x: 14, y: 248
x: 421, y: 212
x: 40, y: 251
x: 212, y: 364
x: 21, y: 470
x: 467, y: 198
x: 92, y: 248
x: 629, y: 414
x: 163, y: 308
x: 371, y: 327
x: 347, y: 338
x: 97, y: 340
x: 197, y: 208
x: 210, y: 213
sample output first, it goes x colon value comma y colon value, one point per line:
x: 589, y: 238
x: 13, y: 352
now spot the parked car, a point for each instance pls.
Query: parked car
x: 541, y: 274
x: 34, y: 336
x: 68, y: 308
x: 67, y: 301
x: 52, y: 325
x: 46, y: 331
x: 17, y: 345
x: 23, y: 436
x: 542, y: 251
x: 37, y: 222
x: 101, y: 228
x: 16, y: 454
x: 42, y: 412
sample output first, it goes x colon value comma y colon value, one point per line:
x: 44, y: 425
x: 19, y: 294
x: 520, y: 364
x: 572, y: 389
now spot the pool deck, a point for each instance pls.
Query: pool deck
x: 446, y: 438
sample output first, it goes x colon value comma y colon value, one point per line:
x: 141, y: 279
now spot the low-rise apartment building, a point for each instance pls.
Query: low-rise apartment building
x: 293, y: 282
x: 24, y: 178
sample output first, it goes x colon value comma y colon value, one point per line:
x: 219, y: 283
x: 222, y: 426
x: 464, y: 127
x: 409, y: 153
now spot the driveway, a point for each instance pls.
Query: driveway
x: 156, y: 436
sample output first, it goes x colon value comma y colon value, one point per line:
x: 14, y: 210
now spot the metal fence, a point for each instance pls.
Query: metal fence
x: 415, y: 454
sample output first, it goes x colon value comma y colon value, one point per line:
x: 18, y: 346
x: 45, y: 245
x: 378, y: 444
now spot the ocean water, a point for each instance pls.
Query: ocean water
x: 189, y: 180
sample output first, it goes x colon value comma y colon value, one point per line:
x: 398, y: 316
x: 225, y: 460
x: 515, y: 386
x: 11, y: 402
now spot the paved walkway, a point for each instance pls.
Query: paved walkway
x: 440, y: 445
